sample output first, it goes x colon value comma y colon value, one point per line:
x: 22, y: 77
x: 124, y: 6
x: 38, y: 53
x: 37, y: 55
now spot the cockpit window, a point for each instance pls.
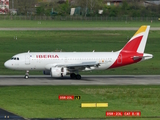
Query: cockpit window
x: 15, y: 58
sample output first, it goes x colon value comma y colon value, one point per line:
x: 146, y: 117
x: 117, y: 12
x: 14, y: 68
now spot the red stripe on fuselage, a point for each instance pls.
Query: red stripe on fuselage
x: 126, y: 58
x: 128, y: 52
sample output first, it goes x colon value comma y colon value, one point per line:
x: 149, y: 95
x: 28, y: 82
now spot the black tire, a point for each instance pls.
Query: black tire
x: 78, y: 77
x: 26, y: 76
x: 72, y: 75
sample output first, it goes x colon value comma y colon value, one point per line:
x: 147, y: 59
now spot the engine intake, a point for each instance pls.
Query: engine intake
x: 58, y: 71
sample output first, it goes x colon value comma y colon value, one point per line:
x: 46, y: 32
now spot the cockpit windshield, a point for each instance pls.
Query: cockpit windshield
x: 15, y: 58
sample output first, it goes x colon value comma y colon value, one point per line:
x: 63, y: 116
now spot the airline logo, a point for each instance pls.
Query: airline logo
x: 133, y: 51
x: 47, y: 56
x: 135, y: 41
x: 141, y: 29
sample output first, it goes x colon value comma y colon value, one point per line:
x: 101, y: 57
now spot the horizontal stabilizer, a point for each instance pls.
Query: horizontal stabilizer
x: 147, y: 56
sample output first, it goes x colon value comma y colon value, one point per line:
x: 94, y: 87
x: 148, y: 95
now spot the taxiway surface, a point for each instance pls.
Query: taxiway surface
x: 14, y: 80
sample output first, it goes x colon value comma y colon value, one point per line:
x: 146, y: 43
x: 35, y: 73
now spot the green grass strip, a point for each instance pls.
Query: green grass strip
x: 72, y: 24
x: 42, y: 101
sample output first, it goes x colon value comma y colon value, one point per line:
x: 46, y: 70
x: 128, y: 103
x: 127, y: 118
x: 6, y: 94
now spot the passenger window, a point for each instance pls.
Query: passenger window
x: 17, y: 58
x: 14, y: 58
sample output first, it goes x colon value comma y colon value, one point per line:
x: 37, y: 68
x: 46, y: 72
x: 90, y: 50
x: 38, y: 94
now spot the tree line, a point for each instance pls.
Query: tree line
x: 128, y: 8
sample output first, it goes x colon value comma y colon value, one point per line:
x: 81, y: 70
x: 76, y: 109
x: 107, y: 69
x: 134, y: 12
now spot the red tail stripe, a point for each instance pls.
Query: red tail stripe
x: 133, y: 44
x: 126, y: 59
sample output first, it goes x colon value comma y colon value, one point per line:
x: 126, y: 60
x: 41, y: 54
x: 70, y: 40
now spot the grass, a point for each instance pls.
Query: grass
x: 73, y: 24
x: 42, y: 101
x: 77, y: 41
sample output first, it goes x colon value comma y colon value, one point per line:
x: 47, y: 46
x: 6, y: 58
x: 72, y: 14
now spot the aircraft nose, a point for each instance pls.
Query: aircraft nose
x: 6, y: 64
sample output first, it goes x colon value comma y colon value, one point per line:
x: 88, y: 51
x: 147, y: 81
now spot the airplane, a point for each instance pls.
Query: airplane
x: 60, y: 64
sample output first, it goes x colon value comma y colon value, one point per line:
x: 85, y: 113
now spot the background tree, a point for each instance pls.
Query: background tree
x: 25, y: 6
x: 64, y: 8
x: 40, y: 10
x: 45, y: 8
x: 129, y: 8
x: 90, y: 7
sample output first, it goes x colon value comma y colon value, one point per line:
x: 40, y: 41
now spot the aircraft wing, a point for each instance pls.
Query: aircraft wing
x: 83, y: 64
x: 75, y: 66
x: 80, y: 66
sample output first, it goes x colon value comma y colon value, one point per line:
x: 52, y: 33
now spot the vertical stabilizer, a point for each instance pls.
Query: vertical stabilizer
x: 138, y: 42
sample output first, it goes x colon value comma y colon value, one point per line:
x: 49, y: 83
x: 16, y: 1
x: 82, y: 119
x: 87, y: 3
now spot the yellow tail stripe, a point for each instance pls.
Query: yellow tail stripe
x: 141, y: 29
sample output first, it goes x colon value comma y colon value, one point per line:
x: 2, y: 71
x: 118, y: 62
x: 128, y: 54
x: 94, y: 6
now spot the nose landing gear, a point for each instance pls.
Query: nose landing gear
x: 27, y: 74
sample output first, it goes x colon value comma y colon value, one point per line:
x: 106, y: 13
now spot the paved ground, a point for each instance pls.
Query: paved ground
x: 94, y: 28
x: 7, y: 115
x: 11, y: 80
x: 86, y: 80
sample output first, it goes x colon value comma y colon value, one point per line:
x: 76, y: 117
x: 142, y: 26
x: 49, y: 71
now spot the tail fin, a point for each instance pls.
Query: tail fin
x: 138, y: 42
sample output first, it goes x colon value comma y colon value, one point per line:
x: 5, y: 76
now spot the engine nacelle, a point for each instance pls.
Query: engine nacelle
x: 46, y: 72
x: 58, y: 71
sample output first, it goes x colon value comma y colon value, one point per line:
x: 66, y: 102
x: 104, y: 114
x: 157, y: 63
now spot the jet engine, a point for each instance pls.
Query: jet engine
x: 58, y: 71
x: 46, y: 72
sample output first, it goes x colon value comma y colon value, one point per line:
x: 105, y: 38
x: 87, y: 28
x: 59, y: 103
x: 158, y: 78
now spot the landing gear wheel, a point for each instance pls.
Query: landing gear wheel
x: 26, y: 76
x: 72, y: 75
x: 78, y: 76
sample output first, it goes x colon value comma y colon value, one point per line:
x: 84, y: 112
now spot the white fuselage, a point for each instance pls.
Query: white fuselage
x: 45, y: 60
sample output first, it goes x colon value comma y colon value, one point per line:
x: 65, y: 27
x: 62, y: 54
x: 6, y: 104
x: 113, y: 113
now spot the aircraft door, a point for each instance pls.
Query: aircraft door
x: 119, y: 60
x: 27, y: 59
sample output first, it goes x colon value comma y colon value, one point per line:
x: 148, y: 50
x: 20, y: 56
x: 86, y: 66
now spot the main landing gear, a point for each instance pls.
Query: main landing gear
x: 27, y: 74
x: 74, y: 76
